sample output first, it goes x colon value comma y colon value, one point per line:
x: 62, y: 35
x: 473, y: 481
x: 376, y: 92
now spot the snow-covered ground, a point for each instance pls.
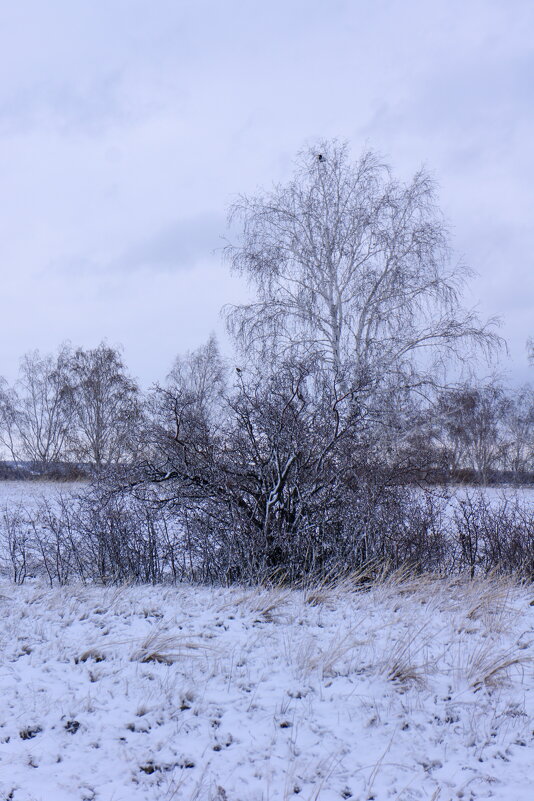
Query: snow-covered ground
x: 421, y: 690
x: 29, y: 493
x: 495, y: 494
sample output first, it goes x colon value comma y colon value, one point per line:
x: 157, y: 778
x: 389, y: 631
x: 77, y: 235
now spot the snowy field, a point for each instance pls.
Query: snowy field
x: 421, y: 690
x: 30, y: 492
x: 408, y: 691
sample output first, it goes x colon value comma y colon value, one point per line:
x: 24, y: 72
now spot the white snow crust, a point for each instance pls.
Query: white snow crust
x: 414, y: 689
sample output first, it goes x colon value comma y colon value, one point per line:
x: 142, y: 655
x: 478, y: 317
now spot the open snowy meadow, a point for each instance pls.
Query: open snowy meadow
x: 407, y: 690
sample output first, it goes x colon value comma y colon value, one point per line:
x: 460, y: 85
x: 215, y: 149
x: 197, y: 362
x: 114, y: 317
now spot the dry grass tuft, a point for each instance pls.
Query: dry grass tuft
x: 338, y: 658
x: 166, y: 649
x: 92, y: 653
x: 491, y: 668
x: 268, y: 604
x: 401, y: 664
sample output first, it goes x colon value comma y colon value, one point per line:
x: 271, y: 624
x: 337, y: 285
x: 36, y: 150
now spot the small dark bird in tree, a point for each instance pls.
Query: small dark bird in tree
x: 320, y: 157
x: 238, y: 369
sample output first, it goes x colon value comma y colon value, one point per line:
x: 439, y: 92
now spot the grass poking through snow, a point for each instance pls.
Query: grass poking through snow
x: 406, y: 689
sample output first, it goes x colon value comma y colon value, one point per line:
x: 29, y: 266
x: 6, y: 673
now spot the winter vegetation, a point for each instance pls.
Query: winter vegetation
x: 97, y: 535
x: 390, y: 689
x: 318, y: 448
x: 73, y: 410
x: 269, y: 566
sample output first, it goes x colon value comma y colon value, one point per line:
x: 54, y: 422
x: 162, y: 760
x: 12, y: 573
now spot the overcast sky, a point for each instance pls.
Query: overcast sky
x: 127, y: 127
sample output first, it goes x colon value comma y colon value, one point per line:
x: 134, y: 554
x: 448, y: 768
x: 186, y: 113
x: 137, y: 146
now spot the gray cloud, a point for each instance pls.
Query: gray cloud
x: 64, y: 106
x: 126, y: 129
x: 178, y: 245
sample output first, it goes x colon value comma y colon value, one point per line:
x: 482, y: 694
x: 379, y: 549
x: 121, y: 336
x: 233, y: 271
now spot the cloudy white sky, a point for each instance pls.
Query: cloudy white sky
x: 127, y: 127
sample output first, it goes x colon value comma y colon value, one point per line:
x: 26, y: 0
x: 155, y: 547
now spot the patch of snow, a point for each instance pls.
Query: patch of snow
x: 413, y: 690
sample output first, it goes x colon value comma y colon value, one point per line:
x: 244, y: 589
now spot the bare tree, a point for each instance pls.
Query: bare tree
x: 519, y: 427
x: 352, y: 267
x: 473, y: 422
x: 105, y: 406
x: 201, y: 376
x: 36, y: 411
x: 8, y: 418
x: 293, y: 467
x: 267, y: 484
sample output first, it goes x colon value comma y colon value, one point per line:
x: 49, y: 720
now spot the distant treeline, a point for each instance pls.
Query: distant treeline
x: 78, y: 412
x: 74, y: 411
x: 30, y: 471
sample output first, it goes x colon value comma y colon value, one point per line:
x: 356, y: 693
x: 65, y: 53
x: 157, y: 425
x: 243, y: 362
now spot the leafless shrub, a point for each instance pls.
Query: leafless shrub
x: 97, y: 536
x: 112, y: 537
x: 16, y: 543
x: 493, y: 536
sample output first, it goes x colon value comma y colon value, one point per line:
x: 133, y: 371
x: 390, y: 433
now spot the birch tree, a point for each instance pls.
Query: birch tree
x: 105, y: 406
x: 8, y: 419
x: 200, y: 378
x: 352, y: 267
x: 36, y: 411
